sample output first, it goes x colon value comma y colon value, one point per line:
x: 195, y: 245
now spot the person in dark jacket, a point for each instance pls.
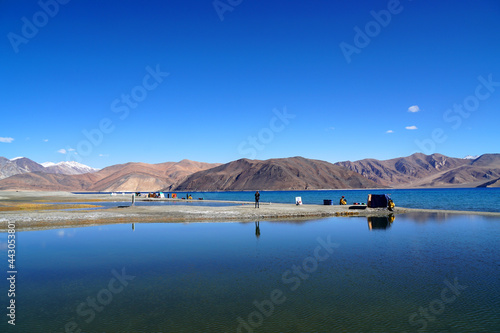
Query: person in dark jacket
x: 257, y: 198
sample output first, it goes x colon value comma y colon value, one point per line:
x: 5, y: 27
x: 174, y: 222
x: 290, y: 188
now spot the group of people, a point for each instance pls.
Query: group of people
x: 342, y: 201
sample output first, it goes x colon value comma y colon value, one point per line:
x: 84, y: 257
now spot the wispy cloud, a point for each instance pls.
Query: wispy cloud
x: 413, y: 108
x: 6, y: 140
x: 46, y: 140
x: 103, y: 155
x: 411, y: 127
x: 389, y: 131
x: 65, y: 151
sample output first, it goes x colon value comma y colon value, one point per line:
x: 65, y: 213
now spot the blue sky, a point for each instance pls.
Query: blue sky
x: 156, y: 81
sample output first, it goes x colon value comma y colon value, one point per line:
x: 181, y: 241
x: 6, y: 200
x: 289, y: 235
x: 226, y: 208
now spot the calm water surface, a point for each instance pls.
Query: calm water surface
x: 468, y: 199
x: 434, y: 272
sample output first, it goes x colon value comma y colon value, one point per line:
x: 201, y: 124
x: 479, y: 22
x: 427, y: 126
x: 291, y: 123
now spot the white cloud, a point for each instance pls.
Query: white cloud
x: 6, y: 140
x: 103, y: 155
x: 389, y: 131
x: 66, y: 151
x: 411, y: 127
x: 413, y: 108
x: 46, y: 140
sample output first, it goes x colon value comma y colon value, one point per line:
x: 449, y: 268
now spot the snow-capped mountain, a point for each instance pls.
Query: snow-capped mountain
x: 67, y: 168
x: 20, y: 165
x: 470, y: 157
x: 17, y: 165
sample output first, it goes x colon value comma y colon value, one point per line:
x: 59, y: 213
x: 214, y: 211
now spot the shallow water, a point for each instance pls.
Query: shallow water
x: 114, y: 204
x: 329, y: 275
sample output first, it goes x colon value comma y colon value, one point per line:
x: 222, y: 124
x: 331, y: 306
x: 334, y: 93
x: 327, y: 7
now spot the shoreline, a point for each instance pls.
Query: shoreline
x: 180, y: 213
x: 243, y: 212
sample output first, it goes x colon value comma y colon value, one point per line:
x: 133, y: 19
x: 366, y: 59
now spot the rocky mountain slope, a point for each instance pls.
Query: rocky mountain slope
x: 417, y: 170
x: 67, y: 168
x: 295, y: 173
x: 119, y: 177
x: 436, y: 170
x: 17, y: 166
x: 22, y: 165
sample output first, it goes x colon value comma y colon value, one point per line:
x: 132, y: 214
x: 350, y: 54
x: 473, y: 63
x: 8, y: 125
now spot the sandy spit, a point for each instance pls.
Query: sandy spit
x: 51, y: 219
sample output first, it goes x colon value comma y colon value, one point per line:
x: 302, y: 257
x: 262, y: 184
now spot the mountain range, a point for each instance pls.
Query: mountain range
x: 294, y: 173
x: 21, y: 165
x: 436, y: 170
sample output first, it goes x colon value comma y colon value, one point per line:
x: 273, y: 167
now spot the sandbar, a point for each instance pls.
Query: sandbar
x: 241, y: 212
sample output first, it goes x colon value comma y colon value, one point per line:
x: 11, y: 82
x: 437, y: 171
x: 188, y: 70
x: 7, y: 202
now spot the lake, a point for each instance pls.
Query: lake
x: 425, y: 272
x: 468, y: 199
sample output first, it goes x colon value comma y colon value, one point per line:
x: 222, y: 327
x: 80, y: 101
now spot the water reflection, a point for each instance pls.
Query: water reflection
x: 257, y: 229
x: 206, y: 275
x: 380, y: 222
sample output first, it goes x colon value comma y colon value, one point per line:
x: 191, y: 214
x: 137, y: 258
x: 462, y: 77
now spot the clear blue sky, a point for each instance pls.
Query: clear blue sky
x: 86, y: 66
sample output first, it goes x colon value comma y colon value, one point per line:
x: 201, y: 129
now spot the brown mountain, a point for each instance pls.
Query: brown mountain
x: 40, y: 181
x: 478, y: 172
x: 295, y: 173
x: 417, y: 170
x: 120, y: 177
x: 493, y: 183
x: 436, y: 170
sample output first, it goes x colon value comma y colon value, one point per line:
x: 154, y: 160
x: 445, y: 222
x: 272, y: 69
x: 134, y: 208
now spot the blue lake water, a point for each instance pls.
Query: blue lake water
x: 469, y: 199
x: 424, y: 271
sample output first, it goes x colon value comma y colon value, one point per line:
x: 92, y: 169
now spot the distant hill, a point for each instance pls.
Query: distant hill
x: 17, y: 166
x: 493, y: 183
x: 145, y: 177
x: 436, y: 170
x: 295, y: 173
x: 22, y: 165
x: 41, y: 181
x: 121, y: 177
x: 67, y: 168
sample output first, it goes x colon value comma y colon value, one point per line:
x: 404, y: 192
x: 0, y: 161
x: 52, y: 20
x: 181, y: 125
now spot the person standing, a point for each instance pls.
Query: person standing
x: 257, y: 198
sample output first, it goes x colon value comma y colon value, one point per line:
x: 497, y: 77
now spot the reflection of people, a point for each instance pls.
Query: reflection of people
x: 390, y: 205
x: 343, y: 201
x: 257, y: 229
x: 257, y: 198
x: 380, y: 222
